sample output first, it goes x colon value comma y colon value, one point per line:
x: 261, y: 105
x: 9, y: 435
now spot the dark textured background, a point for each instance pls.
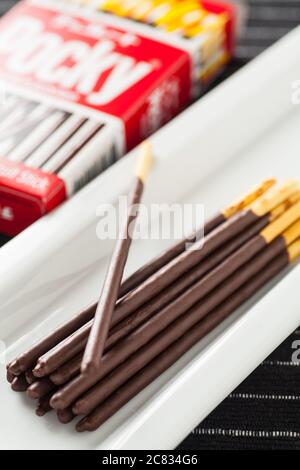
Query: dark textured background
x: 264, y: 411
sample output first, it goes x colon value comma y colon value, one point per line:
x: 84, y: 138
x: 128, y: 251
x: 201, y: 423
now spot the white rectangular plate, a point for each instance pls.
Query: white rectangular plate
x: 243, y: 131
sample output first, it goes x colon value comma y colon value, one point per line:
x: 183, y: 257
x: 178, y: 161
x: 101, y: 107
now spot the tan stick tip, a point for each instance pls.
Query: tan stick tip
x: 276, y: 228
x: 274, y: 197
x: 294, y: 250
x: 246, y: 199
x: 145, y: 161
x: 292, y: 233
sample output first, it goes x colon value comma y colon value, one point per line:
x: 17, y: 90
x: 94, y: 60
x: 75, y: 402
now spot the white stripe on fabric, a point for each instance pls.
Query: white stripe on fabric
x: 264, y: 396
x: 245, y: 433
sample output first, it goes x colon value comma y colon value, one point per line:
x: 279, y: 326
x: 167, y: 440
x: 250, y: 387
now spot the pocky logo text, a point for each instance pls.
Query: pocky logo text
x: 86, y: 61
x: 57, y: 65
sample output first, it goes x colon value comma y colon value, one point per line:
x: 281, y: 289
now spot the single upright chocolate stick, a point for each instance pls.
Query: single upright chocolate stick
x: 99, y: 331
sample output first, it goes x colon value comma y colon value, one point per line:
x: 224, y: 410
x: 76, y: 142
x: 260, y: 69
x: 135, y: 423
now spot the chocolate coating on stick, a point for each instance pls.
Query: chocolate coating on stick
x: 72, y: 345
x: 67, y: 371
x: 183, y: 263
x: 65, y: 396
x: 155, y: 264
x: 30, y: 377
x: 64, y: 351
x: 27, y: 359
x: 102, y: 320
x: 168, y: 255
x: 165, y: 360
x: 13, y: 368
x: 19, y: 384
x: 40, y: 388
x: 174, y: 331
x: 65, y: 416
x: 43, y: 405
x: 9, y: 376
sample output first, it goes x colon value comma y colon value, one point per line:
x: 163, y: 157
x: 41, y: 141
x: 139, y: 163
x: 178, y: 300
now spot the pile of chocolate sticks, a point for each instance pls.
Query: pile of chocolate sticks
x: 104, y: 356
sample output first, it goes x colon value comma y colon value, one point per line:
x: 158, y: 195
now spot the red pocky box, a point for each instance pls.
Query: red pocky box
x: 80, y: 89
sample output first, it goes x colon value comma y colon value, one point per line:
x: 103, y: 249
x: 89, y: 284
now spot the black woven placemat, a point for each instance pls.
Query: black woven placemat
x: 264, y: 411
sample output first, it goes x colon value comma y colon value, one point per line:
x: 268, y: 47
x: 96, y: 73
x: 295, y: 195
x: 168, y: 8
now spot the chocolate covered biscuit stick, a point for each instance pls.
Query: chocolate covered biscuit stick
x: 67, y: 349
x: 165, y: 360
x: 155, y: 264
x: 175, y: 330
x: 65, y: 416
x: 30, y: 377
x: 74, y: 344
x: 40, y: 388
x: 99, y: 331
x: 202, y: 248
x: 43, y: 405
x: 27, y: 359
x: 19, y: 384
x: 9, y: 376
x: 65, y: 396
x: 144, y: 336
x: 67, y: 371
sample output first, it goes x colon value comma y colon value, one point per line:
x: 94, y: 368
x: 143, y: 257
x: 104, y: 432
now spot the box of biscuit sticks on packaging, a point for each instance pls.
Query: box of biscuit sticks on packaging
x: 84, y: 82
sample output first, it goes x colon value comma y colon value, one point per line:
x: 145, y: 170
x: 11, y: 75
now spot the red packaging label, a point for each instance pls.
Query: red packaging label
x: 95, y: 64
x: 83, y: 68
x: 25, y: 195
